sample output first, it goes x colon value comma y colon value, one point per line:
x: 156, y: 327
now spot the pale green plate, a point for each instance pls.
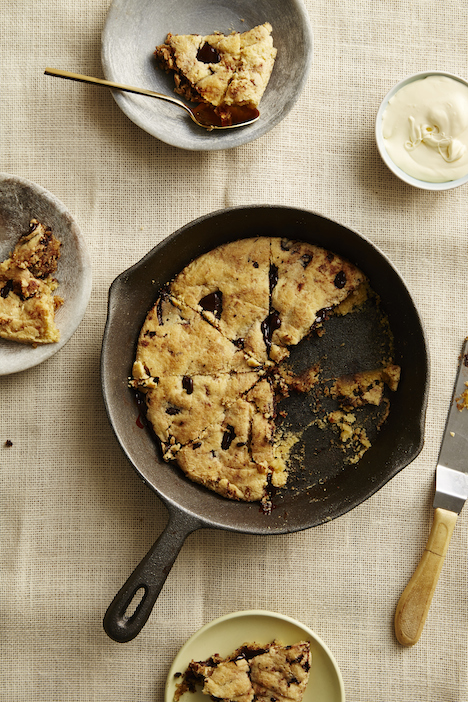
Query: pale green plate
x: 225, y: 634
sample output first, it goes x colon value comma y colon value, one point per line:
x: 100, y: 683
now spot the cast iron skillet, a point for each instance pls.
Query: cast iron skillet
x: 193, y: 507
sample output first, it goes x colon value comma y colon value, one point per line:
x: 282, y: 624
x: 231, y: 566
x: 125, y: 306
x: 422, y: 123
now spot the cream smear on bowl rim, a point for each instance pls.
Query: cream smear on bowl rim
x: 422, y: 130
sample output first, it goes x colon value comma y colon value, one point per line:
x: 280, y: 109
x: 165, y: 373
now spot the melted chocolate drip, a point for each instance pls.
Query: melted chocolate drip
x: 7, y: 288
x: 322, y: 315
x: 228, y: 437
x: 249, y: 653
x: 208, y: 54
x: 273, y: 276
x: 187, y: 384
x: 164, y: 295
x: 269, y: 325
x: 340, y: 280
x: 213, y: 303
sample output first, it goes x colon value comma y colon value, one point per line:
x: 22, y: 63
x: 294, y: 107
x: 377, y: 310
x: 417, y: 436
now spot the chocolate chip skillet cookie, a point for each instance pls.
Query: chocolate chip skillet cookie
x: 212, y: 361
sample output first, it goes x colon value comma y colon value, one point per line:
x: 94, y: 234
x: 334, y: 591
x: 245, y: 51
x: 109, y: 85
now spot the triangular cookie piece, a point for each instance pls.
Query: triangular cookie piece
x: 27, y: 303
x: 219, y: 69
x: 176, y: 340
x: 235, y: 457
x: 229, y: 286
x: 310, y: 281
x: 180, y: 408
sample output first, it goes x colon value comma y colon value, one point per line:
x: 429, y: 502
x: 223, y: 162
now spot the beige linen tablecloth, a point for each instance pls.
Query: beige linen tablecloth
x: 75, y: 517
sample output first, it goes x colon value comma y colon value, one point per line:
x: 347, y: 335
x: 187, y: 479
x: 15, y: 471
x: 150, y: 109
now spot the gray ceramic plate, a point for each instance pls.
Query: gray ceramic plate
x: 21, y: 201
x: 133, y: 28
x: 227, y: 633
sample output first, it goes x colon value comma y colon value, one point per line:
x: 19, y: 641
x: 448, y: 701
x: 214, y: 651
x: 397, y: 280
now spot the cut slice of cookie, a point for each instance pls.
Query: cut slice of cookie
x: 310, y: 281
x: 229, y: 286
x: 27, y: 302
x: 281, y: 673
x: 252, y: 673
x: 180, y: 408
x: 176, y: 340
x: 219, y: 69
x: 228, y: 680
x: 235, y: 457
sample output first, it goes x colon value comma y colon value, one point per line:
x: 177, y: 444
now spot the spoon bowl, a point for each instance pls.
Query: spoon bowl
x: 204, y: 115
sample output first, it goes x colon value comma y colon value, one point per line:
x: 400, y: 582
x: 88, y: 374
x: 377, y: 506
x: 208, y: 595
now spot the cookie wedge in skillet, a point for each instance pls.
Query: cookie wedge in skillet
x: 310, y: 281
x: 180, y: 408
x: 235, y: 457
x: 229, y: 287
x: 176, y: 340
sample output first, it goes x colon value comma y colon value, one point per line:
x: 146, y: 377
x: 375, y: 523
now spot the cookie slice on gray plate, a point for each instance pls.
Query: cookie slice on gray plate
x: 27, y: 285
x: 220, y: 69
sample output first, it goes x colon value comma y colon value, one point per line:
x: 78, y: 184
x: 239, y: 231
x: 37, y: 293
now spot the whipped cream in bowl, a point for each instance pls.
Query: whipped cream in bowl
x: 422, y: 130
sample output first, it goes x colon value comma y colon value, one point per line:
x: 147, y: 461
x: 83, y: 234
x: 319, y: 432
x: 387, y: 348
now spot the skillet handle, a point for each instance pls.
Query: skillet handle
x: 147, y: 580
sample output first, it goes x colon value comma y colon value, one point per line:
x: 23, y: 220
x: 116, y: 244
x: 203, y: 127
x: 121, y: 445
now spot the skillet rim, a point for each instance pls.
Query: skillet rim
x: 276, y: 523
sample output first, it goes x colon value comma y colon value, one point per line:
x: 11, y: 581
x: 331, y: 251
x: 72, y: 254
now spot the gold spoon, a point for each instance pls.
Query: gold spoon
x: 205, y: 115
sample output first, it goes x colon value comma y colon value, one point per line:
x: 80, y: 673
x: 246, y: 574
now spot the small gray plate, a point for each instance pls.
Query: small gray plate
x: 133, y: 29
x: 21, y: 201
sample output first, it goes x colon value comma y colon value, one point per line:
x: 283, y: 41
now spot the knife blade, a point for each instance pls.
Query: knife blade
x: 451, y: 492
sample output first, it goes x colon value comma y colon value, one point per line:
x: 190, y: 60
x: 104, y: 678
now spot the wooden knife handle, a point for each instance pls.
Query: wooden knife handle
x: 414, y: 603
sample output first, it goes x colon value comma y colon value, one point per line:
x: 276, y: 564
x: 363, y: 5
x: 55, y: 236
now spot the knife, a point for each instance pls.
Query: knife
x: 451, y: 491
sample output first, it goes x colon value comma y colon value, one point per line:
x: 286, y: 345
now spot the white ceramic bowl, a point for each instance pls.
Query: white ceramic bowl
x: 133, y: 29
x: 227, y: 633
x: 424, y: 185
x: 21, y: 201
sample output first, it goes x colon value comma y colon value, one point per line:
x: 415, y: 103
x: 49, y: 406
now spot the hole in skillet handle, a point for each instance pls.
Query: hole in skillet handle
x: 127, y: 614
x: 135, y: 602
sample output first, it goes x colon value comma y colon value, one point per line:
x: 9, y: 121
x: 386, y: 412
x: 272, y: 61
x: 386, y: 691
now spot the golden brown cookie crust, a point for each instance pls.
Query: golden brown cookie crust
x: 252, y: 673
x: 211, y: 352
x: 27, y: 303
x: 220, y: 69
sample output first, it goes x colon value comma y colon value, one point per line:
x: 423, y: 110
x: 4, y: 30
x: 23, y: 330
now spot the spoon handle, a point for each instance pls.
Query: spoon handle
x: 110, y: 84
